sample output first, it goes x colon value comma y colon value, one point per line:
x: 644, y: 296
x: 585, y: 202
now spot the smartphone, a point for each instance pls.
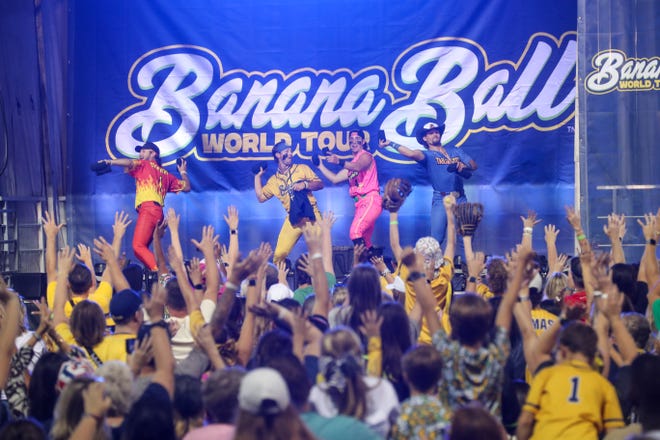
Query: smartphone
x: 130, y: 345
x: 381, y: 135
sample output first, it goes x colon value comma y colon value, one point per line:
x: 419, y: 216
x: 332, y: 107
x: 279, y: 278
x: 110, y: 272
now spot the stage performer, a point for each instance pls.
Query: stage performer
x: 362, y: 178
x: 446, y: 168
x: 292, y: 184
x: 152, y: 182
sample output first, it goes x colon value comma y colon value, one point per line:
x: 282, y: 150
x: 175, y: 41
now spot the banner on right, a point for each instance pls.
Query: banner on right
x: 619, y: 115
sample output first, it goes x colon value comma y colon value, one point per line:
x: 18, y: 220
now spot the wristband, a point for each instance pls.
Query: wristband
x: 233, y: 231
x: 198, y: 286
x: 385, y: 272
x: 306, y: 184
x: 395, y: 145
x: 230, y: 285
x: 581, y: 237
x: 652, y: 242
x: 414, y: 276
x: 528, y: 230
x: 394, y: 222
x: 184, y: 173
x: 252, y: 282
x: 316, y: 256
x: 472, y: 280
x: 523, y: 298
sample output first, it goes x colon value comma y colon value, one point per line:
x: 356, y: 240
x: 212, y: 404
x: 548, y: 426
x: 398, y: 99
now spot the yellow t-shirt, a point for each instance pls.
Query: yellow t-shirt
x: 279, y: 184
x: 111, y: 348
x: 542, y: 320
x: 101, y: 296
x: 572, y: 401
x: 441, y: 288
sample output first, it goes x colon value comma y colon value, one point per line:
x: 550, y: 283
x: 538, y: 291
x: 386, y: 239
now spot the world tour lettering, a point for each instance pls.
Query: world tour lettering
x: 615, y: 71
x: 234, y: 112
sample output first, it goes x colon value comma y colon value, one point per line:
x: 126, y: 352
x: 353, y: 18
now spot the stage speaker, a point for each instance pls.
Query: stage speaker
x: 342, y: 261
x: 31, y: 286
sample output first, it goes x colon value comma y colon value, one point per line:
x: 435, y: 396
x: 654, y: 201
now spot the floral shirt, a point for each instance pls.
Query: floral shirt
x: 469, y: 375
x: 422, y: 417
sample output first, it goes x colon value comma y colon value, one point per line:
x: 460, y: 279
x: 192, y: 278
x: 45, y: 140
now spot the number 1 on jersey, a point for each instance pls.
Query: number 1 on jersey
x: 575, y: 382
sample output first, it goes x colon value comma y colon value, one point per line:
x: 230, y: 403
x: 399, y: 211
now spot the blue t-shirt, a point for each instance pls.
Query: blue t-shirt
x: 436, y: 166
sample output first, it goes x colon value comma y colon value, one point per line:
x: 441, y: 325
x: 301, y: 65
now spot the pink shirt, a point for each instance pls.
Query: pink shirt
x: 365, y: 181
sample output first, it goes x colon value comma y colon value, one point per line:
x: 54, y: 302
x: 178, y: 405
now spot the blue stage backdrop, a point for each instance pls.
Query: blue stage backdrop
x: 221, y: 82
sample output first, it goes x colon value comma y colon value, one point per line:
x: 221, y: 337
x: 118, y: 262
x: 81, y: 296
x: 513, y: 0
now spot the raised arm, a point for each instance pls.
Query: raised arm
x: 341, y: 176
x: 313, y: 239
x: 649, y: 261
x: 207, y: 245
x: 173, y: 220
x: 550, y: 237
x: 64, y: 261
x: 232, y: 222
x: 258, y: 187
x: 528, y: 228
x: 84, y: 255
x: 395, y: 244
x: 8, y: 329
x: 161, y: 261
x: 615, y: 229
x: 522, y: 270
x: 327, y: 221
x: 105, y: 251
x: 51, y: 229
x: 121, y: 162
x: 160, y: 340
x: 182, y: 167
x: 176, y: 263
x: 404, y: 151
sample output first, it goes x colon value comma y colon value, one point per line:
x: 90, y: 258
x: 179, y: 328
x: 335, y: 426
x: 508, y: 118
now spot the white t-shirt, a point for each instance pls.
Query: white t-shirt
x: 382, y: 404
x: 182, y: 341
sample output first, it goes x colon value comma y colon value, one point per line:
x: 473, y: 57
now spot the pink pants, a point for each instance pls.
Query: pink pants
x: 149, y: 215
x: 367, y: 210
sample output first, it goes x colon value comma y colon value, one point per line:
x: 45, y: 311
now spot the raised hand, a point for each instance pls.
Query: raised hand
x: 194, y: 271
x: 573, y: 218
x: 327, y: 220
x: 51, y: 228
x: 84, y: 254
x: 313, y: 237
x: 232, y: 217
x: 155, y: 305
x: 530, y: 221
x: 648, y: 226
x: 208, y: 240
x: 551, y: 233
x: 103, y: 249
x: 159, y: 232
x: 121, y: 223
x: 173, y: 219
x: 65, y: 259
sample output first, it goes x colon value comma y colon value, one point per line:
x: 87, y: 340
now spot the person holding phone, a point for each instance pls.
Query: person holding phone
x: 446, y: 166
x: 289, y: 181
x: 152, y: 183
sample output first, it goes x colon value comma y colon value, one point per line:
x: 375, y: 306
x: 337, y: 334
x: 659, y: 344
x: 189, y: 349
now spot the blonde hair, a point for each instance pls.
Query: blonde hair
x: 555, y: 285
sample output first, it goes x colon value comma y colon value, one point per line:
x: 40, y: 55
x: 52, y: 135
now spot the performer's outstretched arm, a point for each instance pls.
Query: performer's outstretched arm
x: 122, y: 162
x: 258, y: 187
x: 404, y: 151
x: 332, y: 177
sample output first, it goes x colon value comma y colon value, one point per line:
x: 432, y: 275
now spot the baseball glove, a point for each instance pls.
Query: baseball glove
x: 396, y: 192
x: 468, y: 216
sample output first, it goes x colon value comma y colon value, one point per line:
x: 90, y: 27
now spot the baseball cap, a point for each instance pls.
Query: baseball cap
x: 148, y: 146
x: 73, y: 369
x: 124, y: 304
x: 263, y: 392
x: 280, y: 146
x: 278, y: 292
x: 426, y: 128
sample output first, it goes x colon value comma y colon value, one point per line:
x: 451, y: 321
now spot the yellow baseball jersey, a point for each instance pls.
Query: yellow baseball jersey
x: 441, y: 288
x: 111, y: 348
x: 280, y: 184
x: 542, y: 320
x: 572, y: 401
